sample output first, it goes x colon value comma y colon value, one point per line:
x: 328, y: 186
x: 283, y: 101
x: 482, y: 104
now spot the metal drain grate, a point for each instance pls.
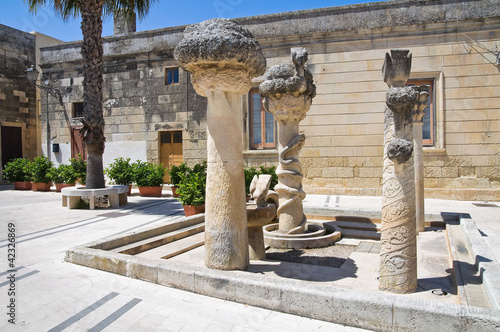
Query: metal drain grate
x: 485, y: 204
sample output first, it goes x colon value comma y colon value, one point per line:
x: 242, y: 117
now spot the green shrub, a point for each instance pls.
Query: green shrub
x: 120, y: 171
x: 40, y: 170
x: 148, y: 174
x: 63, y: 174
x: 17, y: 170
x: 192, y: 185
x: 80, y: 167
x: 177, y: 172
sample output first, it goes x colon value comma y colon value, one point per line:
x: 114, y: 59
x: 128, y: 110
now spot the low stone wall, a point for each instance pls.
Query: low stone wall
x: 374, y: 311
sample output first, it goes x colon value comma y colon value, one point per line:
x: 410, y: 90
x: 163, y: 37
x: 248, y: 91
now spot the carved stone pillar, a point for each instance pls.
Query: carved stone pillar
x: 398, y: 254
x: 288, y: 91
x: 223, y: 57
x: 418, y: 114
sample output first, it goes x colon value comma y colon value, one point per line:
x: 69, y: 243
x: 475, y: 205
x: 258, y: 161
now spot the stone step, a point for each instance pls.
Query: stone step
x: 175, y: 248
x: 345, y: 218
x: 156, y: 241
x: 360, y: 234
x: 469, y: 282
x: 363, y: 226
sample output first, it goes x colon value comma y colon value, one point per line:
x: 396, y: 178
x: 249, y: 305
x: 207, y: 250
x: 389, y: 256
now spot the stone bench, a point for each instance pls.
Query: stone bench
x: 117, y: 195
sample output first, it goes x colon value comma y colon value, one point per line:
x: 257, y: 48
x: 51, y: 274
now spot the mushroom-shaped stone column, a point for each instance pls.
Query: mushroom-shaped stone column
x: 398, y: 253
x: 288, y: 91
x: 223, y: 57
x: 418, y: 114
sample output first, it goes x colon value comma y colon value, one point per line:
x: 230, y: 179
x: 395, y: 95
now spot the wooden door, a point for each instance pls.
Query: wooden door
x: 12, y: 144
x: 77, y: 145
x: 170, y: 150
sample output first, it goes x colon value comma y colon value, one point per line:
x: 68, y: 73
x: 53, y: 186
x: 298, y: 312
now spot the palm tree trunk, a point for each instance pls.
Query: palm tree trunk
x: 92, y: 53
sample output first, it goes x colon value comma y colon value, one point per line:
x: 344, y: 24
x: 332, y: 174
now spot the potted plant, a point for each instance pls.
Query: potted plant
x: 176, y: 173
x: 121, y: 172
x: 192, y: 190
x: 149, y: 178
x: 63, y: 176
x: 40, y: 174
x: 80, y: 167
x: 18, y: 172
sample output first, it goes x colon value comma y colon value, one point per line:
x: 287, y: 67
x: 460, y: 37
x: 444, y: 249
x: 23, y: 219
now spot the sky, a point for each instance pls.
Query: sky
x: 163, y: 13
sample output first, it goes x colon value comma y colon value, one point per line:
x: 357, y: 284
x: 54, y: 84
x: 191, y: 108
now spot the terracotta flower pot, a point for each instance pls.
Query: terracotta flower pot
x: 40, y: 186
x: 22, y: 185
x: 174, y: 191
x: 151, y: 191
x: 59, y: 186
x: 190, y: 210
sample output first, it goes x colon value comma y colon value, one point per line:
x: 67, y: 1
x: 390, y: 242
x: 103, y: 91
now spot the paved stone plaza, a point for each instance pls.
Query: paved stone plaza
x: 52, y: 295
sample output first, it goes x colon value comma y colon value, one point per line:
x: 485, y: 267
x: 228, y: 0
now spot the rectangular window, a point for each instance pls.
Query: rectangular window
x: 428, y: 128
x: 166, y: 137
x: 171, y: 76
x: 169, y: 137
x: 78, y: 110
x: 177, y: 136
x: 262, y: 124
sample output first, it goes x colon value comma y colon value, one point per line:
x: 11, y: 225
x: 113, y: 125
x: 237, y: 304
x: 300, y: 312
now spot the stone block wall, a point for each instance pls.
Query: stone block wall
x: 17, y: 95
x: 343, y: 151
x: 137, y: 104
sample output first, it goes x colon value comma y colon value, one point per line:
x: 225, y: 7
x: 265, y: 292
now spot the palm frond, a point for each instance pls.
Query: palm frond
x: 127, y: 7
x: 63, y: 8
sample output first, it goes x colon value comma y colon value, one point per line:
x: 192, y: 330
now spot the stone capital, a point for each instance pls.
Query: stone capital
x: 397, y: 67
x: 288, y: 89
x: 401, y: 100
x: 287, y: 108
x: 422, y: 101
x: 221, y: 55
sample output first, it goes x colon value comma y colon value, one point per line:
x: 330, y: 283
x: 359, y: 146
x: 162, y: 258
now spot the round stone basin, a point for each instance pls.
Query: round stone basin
x: 313, y: 230
x: 318, y: 235
x: 260, y: 216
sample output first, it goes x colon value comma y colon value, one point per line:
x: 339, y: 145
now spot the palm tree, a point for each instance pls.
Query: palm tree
x: 92, y: 13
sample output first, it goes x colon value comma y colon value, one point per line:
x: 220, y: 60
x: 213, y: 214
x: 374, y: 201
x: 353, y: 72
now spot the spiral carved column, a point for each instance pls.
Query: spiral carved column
x: 398, y: 255
x: 288, y: 92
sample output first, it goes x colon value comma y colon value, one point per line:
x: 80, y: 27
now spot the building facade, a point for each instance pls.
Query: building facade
x: 20, y: 104
x: 152, y: 112
x: 18, y: 117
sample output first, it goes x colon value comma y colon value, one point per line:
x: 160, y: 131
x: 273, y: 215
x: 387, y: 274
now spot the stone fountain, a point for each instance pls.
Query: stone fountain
x: 259, y: 214
x: 288, y: 91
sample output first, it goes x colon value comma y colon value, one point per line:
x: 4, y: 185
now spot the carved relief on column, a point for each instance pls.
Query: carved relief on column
x: 418, y: 114
x: 398, y: 256
x: 288, y: 91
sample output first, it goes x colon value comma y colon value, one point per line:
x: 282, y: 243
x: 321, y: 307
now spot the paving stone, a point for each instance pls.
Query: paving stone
x: 60, y: 290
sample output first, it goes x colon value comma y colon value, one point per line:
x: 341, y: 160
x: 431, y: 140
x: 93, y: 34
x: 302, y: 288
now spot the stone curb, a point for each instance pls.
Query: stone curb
x: 364, y: 309
x: 486, y: 263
